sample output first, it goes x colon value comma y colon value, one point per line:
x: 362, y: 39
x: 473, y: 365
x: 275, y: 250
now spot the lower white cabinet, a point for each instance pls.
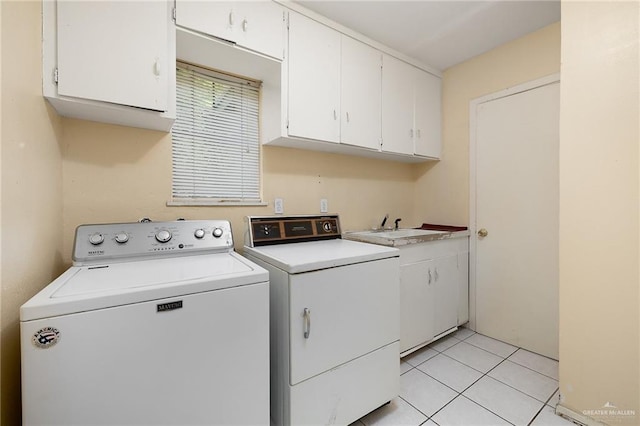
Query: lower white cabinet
x: 445, y: 274
x: 417, y: 316
x: 434, y: 293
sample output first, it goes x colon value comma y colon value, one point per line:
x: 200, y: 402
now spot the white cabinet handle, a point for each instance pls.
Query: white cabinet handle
x: 429, y: 275
x: 156, y: 67
x: 411, y: 133
x: 347, y: 117
x: 418, y: 132
x: 245, y: 25
x: 231, y: 18
x: 307, y: 322
x: 335, y: 115
x: 436, y: 274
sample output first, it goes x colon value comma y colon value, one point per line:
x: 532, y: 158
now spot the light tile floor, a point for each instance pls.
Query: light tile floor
x: 468, y: 379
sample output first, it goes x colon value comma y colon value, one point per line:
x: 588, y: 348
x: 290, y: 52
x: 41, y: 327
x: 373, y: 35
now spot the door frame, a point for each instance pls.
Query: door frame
x: 473, y: 124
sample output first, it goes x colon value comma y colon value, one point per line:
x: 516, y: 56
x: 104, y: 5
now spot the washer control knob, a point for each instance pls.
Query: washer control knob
x: 199, y: 233
x: 217, y: 232
x: 122, y: 237
x: 96, y: 239
x: 163, y: 236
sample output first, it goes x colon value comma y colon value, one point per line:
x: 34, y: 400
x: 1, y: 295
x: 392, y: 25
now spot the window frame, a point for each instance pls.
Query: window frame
x: 210, y: 201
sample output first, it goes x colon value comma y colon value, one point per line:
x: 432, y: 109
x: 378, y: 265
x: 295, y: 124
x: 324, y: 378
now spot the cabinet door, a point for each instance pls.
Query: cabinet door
x: 217, y: 18
x: 256, y: 25
x: 417, y: 313
x: 350, y: 311
x: 360, y: 91
x: 260, y: 27
x: 397, y: 106
x: 314, y: 80
x: 445, y: 279
x: 114, y: 52
x: 427, y: 133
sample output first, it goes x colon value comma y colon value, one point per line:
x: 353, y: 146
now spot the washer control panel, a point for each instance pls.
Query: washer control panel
x: 269, y: 230
x: 98, y: 243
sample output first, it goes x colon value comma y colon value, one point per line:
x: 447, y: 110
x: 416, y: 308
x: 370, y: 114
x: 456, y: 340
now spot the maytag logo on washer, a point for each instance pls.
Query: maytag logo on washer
x: 46, y: 337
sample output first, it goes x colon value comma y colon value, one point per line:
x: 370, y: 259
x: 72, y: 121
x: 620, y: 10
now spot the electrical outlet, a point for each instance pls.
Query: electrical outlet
x: 278, y: 206
x: 324, y: 205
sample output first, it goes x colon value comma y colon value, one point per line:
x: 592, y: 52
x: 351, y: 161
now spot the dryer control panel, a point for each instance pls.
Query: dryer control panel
x: 113, y: 241
x: 268, y: 230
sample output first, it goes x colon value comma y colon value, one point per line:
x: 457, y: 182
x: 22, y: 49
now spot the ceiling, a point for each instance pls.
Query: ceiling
x: 440, y: 33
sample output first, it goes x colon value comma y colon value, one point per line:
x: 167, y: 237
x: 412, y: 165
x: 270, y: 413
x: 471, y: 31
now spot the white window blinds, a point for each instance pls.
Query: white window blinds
x: 216, y: 152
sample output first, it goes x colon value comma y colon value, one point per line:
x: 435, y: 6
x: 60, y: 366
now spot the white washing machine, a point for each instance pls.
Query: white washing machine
x: 154, y: 324
x: 334, y: 307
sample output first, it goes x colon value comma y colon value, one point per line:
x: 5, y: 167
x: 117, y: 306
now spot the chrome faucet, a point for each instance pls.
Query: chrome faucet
x: 386, y: 216
x: 396, y: 221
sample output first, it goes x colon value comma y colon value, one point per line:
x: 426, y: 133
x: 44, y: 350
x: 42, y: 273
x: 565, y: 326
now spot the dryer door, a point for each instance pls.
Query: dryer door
x: 342, y: 313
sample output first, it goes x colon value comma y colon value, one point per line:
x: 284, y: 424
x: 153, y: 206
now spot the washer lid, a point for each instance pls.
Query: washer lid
x: 85, y: 288
x: 311, y: 256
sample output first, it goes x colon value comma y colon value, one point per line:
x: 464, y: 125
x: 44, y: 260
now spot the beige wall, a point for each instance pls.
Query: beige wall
x: 442, y: 189
x: 114, y: 173
x: 31, y: 187
x: 599, y: 201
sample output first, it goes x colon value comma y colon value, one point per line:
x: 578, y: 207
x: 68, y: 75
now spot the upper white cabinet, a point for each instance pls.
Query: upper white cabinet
x: 333, y: 85
x: 255, y: 25
x: 427, y: 114
x: 360, y: 94
x: 411, y: 110
x: 397, y: 105
x: 110, y: 61
x: 313, y: 80
x: 343, y: 93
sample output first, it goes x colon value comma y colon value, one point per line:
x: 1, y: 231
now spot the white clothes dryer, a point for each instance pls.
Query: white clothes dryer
x: 334, y: 307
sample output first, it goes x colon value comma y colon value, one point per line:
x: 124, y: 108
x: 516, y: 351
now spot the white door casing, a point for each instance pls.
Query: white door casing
x: 514, y: 196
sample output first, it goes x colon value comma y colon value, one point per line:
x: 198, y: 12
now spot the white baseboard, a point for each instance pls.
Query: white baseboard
x: 576, y: 417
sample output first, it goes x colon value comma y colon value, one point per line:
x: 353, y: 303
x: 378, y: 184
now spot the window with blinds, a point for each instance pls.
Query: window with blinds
x: 216, y: 151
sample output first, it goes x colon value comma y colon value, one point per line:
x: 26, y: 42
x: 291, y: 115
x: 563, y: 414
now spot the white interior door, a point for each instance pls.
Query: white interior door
x: 516, y: 202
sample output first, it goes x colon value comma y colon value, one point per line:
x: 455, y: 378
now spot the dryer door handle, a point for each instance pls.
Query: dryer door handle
x: 307, y: 322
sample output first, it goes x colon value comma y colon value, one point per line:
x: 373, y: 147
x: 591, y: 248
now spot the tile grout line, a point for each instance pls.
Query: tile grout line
x: 544, y: 403
x: 416, y: 408
x: 529, y: 368
x: 460, y: 394
x: 537, y: 414
x: 517, y: 390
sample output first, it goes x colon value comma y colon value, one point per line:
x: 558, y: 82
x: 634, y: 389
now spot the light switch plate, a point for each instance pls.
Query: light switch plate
x: 324, y: 205
x: 278, y: 206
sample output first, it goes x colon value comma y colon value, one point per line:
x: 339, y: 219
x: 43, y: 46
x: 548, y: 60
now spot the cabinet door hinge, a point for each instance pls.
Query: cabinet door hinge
x: 55, y: 75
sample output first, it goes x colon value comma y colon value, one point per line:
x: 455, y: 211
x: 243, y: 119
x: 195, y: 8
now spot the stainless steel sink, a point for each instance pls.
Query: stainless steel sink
x: 400, y: 233
x: 398, y: 237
